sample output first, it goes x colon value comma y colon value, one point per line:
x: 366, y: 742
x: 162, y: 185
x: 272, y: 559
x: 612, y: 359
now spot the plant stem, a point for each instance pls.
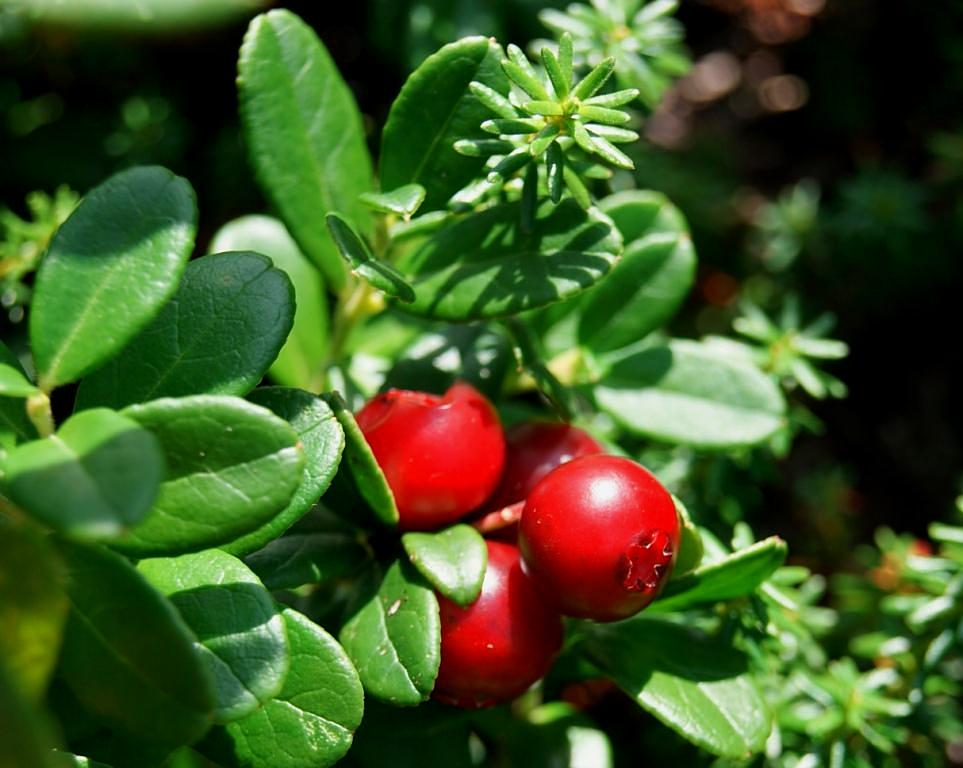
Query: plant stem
x: 39, y: 412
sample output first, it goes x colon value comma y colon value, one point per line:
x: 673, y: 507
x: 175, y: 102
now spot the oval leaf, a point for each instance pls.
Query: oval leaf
x: 218, y: 335
x: 377, y: 273
x: 108, y: 271
x: 487, y: 266
x: 33, y: 608
x: 15, y: 426
x: 395, y: 639
x: 322, y: 440
x: 453, y: 561
x: 300, y: 361
x: 649, y: 282
x: 311, y: 723
x: 435, y: 109
x: 304, y: 133
x: 231, y: 467
x: 127, y: 654
x: 240, y: 634
x: 360, y: 468
x: 736, y: 575
x: 694, y: 683
x: 403, y: 201
x: 13, y: 382
x: 682, y: 393
x: 94, y: 479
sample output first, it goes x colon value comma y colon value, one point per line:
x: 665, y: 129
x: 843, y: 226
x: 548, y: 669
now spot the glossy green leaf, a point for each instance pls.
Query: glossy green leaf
x: 300, y: 361
x: 94, y: 479
x: 304, y: 133
x: 15, y: 426
x: 322, y: 440
x: 695, y: 684
x: 311, y: 723
x: 434, y: 109
x: 108, y: 271
x: 33, y: 608
x: 144, y: 16
x: 218, y: 335
x: 13, y: 383
x: 127, y: 654
x: 360, y: 464
x: 453, y: 560
x: 320, y: 548
x: 487, y: 266
x: 395, y: 638
x: 231, y: 467
x: 379, y: 274
x: 682, y: 393
x: 240, y: 633
x: 736, y: 575
x: 66, y: 760
x: 403, y: 201
x: 650, y: 281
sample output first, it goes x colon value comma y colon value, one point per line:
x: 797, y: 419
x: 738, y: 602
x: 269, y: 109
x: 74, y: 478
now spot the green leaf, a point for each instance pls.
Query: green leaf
x: 304, y: 133
x: 218, y: 335
x: 403, y: 201
x: 736, y: 575
x: 322, y: 547
x: 146, y: 17
x: 13, y: 382
x: 691, y: 548
x: 310, y: 724
x: 94, y: 479
x: 695, y: 684
x: 65, y: 760
x: 108, y: 271
x: 231, y: 467
x: 487, y: 266
x: 300, y: 361
x: 240, y: 633
x: 127, y: 654
x: 434, y: 109
x: 453, y: 561
x: 27, y: 735
x: 360, y: 464
x: 395, y: 639
x: 380, y: 274
x: 683, y: 393
x: 649, y: 283
x: 15, y: 426
x: 322, y: 440
x: 33, y: 609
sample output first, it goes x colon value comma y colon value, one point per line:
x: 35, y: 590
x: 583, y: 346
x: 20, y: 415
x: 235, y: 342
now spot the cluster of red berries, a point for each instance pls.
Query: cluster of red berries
x: 597, y: 534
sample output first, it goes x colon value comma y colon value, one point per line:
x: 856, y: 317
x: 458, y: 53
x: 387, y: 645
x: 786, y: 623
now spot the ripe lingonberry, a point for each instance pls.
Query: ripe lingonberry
x: 495, y: 648
x: 599, y: 536
x: 442, y: 456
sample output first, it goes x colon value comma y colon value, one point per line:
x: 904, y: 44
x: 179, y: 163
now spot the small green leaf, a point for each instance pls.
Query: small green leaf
x: 434, y: 109
x: 240, y: 633
x: 310, y: 724
x: 218, y: 335
x: 322, y: 440
x: 515, y: 126
x: 378, y: 273
x: 360, y: 464
x: 403, y: 201
x: 395, y: 639
x: 127, y: 654
x: 15, y: 426
x: 33, y: 609
x: 304, y: 132
x: 108, y: 271
x: 13, y: 382
x: 520, y: 70
x: 590, y: 84
x: 691, y: 548
x: 555, y: 165
x: 493, y: 100
x: 94, y: 479
x: 695, y: 684
x: 486, y: 265
x: 559, y: 78
x: 231, y: 467
x: 682, y: 393
x: 300, y: 361
x: 453, y: 561
x: 736, y: 575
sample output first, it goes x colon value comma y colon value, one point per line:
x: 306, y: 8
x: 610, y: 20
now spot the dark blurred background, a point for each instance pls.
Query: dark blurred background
x: 816, y: 148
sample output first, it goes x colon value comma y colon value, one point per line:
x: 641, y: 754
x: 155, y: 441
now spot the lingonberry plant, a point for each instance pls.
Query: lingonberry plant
x: 246, y: 495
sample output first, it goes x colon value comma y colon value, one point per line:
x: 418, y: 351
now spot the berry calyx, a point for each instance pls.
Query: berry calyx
x: 599, y: 536
x: 494, y: 649
x: 441, y: 455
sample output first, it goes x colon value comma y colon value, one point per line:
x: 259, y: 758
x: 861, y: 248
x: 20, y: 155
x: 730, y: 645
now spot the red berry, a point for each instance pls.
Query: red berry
x: 442, y: 456
x: 599, y: 535
x: 494, y: 649
x: 535, y: 448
